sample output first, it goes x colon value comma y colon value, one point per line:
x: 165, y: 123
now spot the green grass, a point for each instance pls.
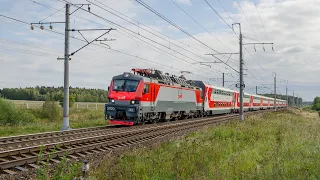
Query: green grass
x: 282, y: 145
x: 80, y: 118
x: 48, y: 117
x: 22, y: 104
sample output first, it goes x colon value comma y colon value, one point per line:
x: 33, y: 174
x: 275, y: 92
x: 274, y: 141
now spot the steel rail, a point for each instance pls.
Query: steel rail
x: 98, y: 137
x: 29, y: 155
x: 3, y: 140
x: 12, y: 142
x: 101, y: 143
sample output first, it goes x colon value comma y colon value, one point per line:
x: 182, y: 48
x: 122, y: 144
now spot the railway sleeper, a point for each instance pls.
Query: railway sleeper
x: 138, y: 136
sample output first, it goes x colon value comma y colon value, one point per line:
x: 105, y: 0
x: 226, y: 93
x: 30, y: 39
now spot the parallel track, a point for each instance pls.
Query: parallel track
x: 13, y: 142
x: 94, y: 141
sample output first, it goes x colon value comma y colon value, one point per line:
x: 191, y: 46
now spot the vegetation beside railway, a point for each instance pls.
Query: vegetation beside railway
x: 17, y: 121
x: 43, y: 93
x: 282, y: 145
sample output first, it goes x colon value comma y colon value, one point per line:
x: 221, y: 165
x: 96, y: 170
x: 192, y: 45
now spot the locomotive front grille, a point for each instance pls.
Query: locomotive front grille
x: 121, y: 115
x: 113, y: 111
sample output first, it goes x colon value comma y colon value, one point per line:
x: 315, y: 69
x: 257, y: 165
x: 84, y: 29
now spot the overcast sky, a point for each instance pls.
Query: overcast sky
x: 144, y: 40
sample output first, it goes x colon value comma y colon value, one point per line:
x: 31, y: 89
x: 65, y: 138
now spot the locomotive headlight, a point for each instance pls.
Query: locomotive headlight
x: 112, y: 100
x: 131, y: 109
x: 134, y: 102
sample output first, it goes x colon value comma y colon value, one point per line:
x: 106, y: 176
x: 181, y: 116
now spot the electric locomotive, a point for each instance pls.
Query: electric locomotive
x: 150, y: 96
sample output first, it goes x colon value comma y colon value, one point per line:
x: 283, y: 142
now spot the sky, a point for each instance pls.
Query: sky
x: 142, y: 39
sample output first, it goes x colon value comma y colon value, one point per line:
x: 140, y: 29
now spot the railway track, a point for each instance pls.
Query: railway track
x: 13, y: 142
x: 94, y: 141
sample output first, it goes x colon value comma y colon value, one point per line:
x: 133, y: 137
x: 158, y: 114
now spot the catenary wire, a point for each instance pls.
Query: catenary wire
x: 129, y: 29
x: 255, y: 4
x: 198, y: 23
x: 247, y: 19
x: 114, y: 50
x: 140, y: 23
x: 182, y: 30
x: 95, y: 22
x: 144, y: 29
x: 135, y: 37
x: 234, y: 31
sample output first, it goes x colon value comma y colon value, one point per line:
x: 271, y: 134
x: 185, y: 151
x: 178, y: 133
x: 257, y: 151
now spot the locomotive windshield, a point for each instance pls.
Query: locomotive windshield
x: 125, y: 85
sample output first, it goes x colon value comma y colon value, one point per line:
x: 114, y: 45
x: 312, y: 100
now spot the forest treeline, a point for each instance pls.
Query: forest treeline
x: 42, y: 93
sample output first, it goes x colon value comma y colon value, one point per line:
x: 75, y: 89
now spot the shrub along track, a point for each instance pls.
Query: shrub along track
x: 20, y: 159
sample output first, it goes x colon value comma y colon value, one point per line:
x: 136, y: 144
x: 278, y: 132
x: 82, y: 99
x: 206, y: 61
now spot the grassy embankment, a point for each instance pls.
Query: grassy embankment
x: 282, y: 145
x: 18, y: 121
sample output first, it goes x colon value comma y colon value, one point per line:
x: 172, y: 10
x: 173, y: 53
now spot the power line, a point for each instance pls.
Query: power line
x: 93, y: 43
x: 25, y: 51
x: 199, y: 24
x: 124, y: 31
x: 225, y: 10
x: 158, y: 49
x: 181, y: 29
x: 236, y: 36
x: 114, y: 50
x: 52, y: 14
x: 254, y: 2
x: 250, y: 72
x: 140, y: 23
x: 136, y: 26
x: 233, y: 30
x: 136, y: 33
x: 45, y: 54
x: 247, y: 20
x: 14, y: 19
x: 220, y: 17
x: 11, y: 41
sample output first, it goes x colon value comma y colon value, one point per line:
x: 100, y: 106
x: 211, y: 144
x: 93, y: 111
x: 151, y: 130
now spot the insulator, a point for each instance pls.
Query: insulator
x: 51, y: 27
x: 41, y: 27
x: 88, y: 8
x: 255, y: 48
x: 32, y: 28
x: 272, y: 48
x: 264, y: 49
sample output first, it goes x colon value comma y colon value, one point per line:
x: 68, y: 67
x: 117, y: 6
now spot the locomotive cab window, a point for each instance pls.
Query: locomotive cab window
x: 146, y: 88
x: 125, y: 85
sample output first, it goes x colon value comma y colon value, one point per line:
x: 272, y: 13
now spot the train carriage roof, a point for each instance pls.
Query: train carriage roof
x: 220, y: 88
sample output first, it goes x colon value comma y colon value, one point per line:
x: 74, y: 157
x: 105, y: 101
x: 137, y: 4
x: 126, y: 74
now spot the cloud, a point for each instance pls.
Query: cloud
x: 293, y: 49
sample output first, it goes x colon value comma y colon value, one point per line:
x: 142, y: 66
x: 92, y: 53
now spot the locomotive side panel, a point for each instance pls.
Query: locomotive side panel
x: 169, y: 99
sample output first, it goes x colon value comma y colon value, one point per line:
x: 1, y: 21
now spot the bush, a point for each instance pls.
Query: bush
x: 10, y: 115
x: 51, y: 110
x: 71, y: 101
x: 308, y: 109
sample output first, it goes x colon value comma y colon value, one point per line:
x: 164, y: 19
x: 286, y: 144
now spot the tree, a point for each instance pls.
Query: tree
x: 316, y: 104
